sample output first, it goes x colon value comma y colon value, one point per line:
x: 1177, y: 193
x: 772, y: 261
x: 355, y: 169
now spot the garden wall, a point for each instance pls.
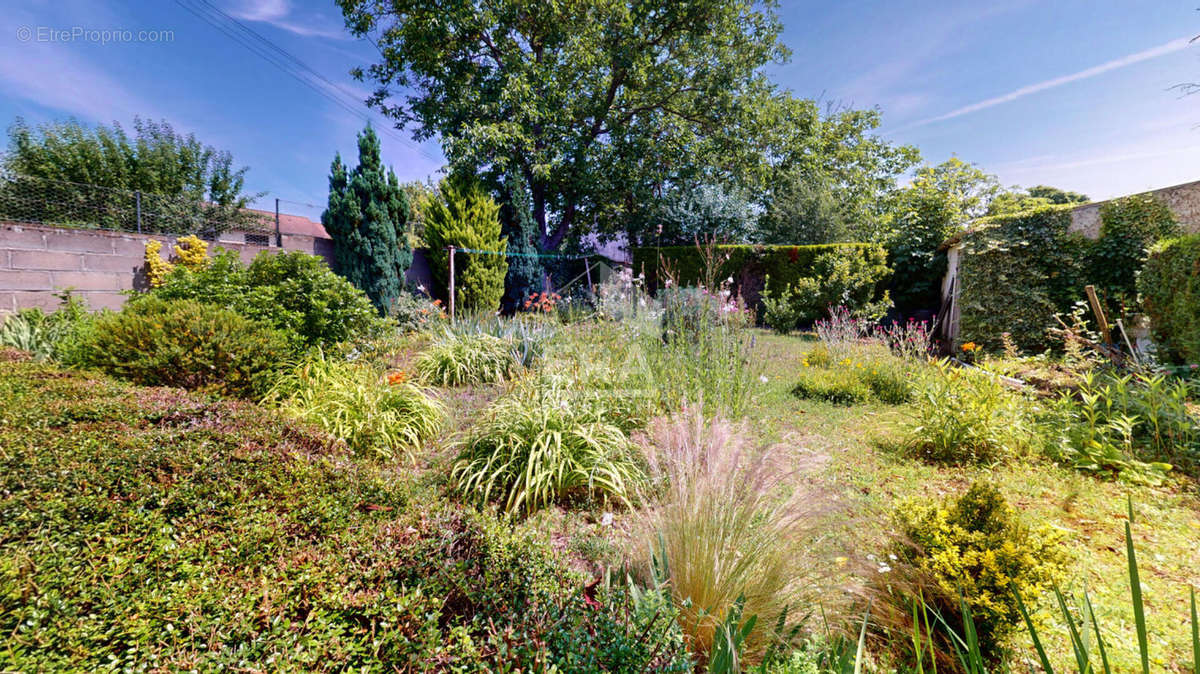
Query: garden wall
x: 37, y: 261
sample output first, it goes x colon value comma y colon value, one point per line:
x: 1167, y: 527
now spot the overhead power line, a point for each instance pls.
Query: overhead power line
x: 289, y: 63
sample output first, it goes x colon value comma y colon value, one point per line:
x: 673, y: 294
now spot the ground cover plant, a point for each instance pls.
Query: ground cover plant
x: 145, y: 528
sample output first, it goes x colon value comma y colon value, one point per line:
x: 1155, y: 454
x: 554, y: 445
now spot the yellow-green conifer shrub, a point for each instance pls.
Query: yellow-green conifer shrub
x: 464, y: 216
x: 976, y: 547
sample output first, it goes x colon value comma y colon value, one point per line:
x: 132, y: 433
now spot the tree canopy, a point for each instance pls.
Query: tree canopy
x: 604, y: 108
x: 74, y: 169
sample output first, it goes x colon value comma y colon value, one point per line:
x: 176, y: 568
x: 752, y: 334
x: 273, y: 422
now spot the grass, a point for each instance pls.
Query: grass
x: 539, y: 445
x: 851, y: 441
x: 458, y: 358
x: 728, y: 534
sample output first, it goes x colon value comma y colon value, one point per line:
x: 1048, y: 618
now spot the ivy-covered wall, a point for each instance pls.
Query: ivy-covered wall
x: 748, y: 265
x: 1017, y: 271
x: 1170, y: 288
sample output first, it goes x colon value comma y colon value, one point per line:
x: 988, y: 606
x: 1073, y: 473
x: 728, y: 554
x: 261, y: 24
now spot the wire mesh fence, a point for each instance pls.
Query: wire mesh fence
x: 70, y: 204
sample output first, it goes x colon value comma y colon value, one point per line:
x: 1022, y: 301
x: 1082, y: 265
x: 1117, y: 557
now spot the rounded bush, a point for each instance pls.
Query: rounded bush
x: 294, y: 292
x: 181, y: 343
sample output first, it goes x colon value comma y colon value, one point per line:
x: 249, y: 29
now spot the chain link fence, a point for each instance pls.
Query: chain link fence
x: 80, y: 205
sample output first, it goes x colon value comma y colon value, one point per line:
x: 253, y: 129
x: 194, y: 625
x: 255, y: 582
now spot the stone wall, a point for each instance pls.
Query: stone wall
x: 1183, y: 200
x: 98, y: 265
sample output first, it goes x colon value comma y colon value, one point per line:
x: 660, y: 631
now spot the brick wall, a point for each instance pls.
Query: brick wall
x: 37, y: 261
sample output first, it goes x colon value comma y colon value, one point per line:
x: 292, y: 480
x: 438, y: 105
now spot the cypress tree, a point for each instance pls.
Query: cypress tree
x: 366, y: 217
x: 525, y: 270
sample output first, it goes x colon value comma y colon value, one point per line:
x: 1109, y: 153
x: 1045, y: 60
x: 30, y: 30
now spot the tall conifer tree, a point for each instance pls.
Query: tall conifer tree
x: 366, y: 217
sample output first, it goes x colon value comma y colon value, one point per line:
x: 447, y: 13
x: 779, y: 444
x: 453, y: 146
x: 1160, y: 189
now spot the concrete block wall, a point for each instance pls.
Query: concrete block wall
x: 37, y: 261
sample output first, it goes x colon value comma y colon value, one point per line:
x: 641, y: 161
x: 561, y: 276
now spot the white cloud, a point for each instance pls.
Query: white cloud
x: 52, y: 76
x: 278, y: 13
x: 1124, y: 61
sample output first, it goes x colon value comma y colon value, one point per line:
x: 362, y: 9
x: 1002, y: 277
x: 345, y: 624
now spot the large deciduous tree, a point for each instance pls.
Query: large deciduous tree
x: 366, y: 219
x: 599, y: 106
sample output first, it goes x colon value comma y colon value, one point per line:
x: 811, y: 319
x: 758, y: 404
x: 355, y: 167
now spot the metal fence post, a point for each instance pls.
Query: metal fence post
x: 137, y: 197
x: 278, y: 234
x: 451, y: 283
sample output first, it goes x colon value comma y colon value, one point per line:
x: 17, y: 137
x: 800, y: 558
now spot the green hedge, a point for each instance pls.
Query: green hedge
x: 749, y: 266
x: 1170, y: 289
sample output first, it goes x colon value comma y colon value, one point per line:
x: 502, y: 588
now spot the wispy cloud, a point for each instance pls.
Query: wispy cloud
x: 278, y: 13
x: 54, y: 77
x: 1109, y: 66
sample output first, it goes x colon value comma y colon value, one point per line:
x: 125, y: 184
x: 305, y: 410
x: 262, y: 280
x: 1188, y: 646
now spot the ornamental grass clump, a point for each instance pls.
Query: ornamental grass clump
x: 466, y: 358
x: 968, y: 417
x: 539, y: 446
x: 728, y: 531
x: 375, y: 415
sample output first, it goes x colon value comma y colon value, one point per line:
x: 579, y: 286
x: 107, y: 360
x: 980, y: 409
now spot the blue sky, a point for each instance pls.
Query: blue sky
x: 1073, y: 93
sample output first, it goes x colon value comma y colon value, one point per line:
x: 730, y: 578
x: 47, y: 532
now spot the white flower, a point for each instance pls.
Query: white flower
x: 884, y: 568
x: 606, y: 520
x: 762, y: 378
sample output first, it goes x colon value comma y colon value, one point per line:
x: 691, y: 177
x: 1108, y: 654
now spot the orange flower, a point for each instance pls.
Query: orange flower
x: 397, y: 377
x: 970, y: 346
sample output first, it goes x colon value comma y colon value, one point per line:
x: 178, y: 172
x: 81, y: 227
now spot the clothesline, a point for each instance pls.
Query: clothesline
x: 507, y: 254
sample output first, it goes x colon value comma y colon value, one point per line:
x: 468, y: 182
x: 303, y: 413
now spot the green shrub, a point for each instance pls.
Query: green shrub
x: 294, y: 292
x: 355, y: 403
x: 40, y: 333
x: 868, y: 372
x: 465, y: 217
x: 975, y: 547
x: 414, y: 313
x: 1170, y: 289
x: 539, y: 446
x: 1125, y: 427
x: 181, y: 343
x: 466, y: 358
x: 838, y: 385
x: 968, y: 417
x: 148, y: 530
x: 781, y: 309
